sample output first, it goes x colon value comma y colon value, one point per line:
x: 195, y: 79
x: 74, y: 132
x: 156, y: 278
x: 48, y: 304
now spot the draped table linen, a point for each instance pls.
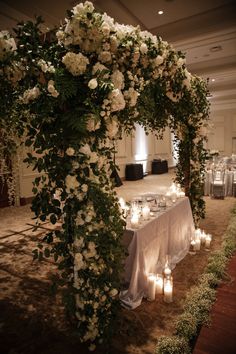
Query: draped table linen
x: 168, y: 233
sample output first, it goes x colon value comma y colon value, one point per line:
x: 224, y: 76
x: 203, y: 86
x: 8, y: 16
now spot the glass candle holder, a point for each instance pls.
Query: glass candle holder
x: 151, y: 290
x: 168, y: 289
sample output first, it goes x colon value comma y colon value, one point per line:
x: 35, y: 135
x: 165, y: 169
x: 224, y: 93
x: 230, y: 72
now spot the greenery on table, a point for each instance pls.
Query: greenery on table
x: 72, y: 93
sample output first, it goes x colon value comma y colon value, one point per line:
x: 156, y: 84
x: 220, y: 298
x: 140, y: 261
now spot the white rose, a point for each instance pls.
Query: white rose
x: 92, y: 84
x: 158, y: 60
x: 143, y: 48
x: 113, y: 292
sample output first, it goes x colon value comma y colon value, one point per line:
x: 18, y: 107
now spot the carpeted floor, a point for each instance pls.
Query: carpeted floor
x: 32, y: 320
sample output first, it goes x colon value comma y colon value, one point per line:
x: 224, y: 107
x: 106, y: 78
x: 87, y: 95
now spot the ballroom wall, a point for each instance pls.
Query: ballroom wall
x: 142, y: 148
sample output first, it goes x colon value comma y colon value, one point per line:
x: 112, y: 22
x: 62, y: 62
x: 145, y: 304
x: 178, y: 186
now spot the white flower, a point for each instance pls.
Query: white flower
x: 173, y: 97
x: 117, y: 100
x: 79, y: 262
x: 104, y: 56
x: 93, y: 123
x: 85, y: 149
x: 46, y: 66
x: 7, y: 44
x: 117, y: 79
x: 76, y: 64
x: 84, y: 188
x: 158, y: 60
x: 71, y: 183
x: 92, y: 84
x: 98, y: 68
x: 51, y: 89
x: 113, y: 292
x: 143, y: 48
x: 112, y: 128
x: 181, y: 62
x: 70, y: 151
x: 132, y: 96
x: 30, y: 95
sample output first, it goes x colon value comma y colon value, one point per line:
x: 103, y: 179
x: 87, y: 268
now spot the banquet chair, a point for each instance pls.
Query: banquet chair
x: 218, y: 184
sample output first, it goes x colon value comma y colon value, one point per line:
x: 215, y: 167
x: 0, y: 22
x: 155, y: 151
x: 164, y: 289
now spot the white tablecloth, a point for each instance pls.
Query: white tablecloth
x: 228, y: 179
x: 169, y: 233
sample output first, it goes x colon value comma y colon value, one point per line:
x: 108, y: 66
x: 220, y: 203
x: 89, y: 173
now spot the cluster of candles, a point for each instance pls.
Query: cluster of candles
x: 200, y: 238
x: 136, y: 212
x: 160, y: 284
x: 174, y: 192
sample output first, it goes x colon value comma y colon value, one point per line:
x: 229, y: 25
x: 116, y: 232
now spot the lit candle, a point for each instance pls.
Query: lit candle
x: 122, y: 203
x: 159, y: 284
x: 197, y: 246
x: 146, y: 212
x: 173, y: 197
x: 134, y: 220
x: 203, y: 237
x: 192, y: 247
x: 168, y: 290
x: 181, y: 194
x: 208, y: 241
x: 151, y: 287
x: 167, y: 271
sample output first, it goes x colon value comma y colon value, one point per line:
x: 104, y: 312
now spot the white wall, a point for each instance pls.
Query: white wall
x: 223, y: 131
x: 142, y: 148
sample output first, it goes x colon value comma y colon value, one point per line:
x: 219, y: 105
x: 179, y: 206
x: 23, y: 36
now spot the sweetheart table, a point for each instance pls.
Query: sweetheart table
x: 168, y: 233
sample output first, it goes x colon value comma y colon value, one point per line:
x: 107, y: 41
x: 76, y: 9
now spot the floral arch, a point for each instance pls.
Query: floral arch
x: 72, y: 95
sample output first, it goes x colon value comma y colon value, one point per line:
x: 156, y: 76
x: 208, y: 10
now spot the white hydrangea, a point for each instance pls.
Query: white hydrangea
x: 76, y: 64
x: 15, y: 72
x: 117, y: 79
x: 105, y: 56
x: 131, y: 95
x: 112, y: 128
x: 92, y: 123
x: 30, y: 95
x: 117, y: 100
x: 82, y: 9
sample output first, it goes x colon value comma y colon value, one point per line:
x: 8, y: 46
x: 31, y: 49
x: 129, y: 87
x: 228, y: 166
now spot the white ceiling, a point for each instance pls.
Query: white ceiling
x: 204, y: 29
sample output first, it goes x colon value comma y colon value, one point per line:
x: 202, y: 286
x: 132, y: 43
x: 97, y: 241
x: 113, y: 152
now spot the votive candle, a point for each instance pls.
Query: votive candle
x: 168, y: 289
x: 151, y: 287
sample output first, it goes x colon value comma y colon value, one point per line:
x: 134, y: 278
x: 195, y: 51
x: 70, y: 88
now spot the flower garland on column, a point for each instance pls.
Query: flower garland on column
x: 81, y: 90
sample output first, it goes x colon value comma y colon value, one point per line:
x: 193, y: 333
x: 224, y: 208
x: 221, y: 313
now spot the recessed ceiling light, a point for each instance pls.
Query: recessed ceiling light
x: 213, y: 80
x: 160, y: 12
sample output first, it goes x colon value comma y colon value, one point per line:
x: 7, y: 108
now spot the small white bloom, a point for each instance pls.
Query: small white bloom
x: 93, y: 84
x: 51, y: 89
x: 71, y: 183
x: 70, y: 151
x: 143, y: 48
x: 113, y: 292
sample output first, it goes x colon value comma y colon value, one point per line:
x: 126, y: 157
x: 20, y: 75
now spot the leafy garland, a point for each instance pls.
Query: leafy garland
x: 77, y: 91
x: 200, y: 298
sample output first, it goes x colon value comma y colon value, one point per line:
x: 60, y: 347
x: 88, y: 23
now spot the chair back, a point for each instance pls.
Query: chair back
x: 218, y: 175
